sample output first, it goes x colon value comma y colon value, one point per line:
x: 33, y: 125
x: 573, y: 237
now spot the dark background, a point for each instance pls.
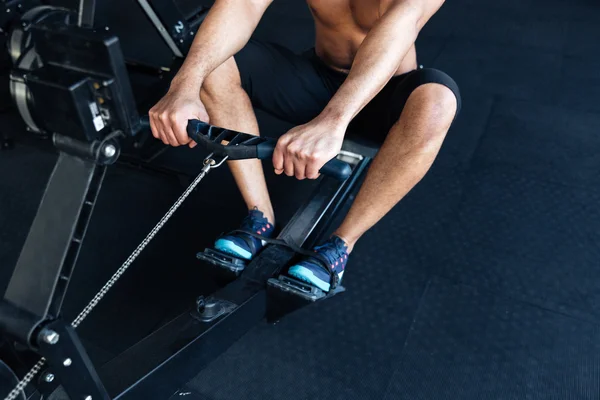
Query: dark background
x: 483, y: 283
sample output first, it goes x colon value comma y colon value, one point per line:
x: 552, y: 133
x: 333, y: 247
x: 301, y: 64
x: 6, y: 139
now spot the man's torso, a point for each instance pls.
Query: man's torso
x: 342, y: 25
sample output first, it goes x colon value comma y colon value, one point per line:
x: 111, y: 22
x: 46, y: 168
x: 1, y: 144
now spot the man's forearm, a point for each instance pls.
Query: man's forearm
x: 226, y: 29
x: 376, y: 61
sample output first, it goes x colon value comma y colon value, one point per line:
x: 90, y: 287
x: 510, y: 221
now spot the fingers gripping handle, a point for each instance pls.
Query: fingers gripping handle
x: 335, y: 168
x: 240, y: 146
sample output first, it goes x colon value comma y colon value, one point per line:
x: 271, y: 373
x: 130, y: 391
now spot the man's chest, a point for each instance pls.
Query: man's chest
x: 340, y: 13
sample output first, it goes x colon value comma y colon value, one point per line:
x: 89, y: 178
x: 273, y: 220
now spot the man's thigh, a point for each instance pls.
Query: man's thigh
x: 287, y: 85
x: 374, y: 122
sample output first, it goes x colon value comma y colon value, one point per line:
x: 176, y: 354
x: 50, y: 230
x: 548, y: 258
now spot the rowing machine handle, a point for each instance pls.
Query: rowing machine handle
x: 245, y: 146
x: 334, y: 168
x: 145, y: 122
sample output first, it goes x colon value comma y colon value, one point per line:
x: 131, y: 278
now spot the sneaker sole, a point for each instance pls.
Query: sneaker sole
x: 232, y: 249
x: 308, y: 276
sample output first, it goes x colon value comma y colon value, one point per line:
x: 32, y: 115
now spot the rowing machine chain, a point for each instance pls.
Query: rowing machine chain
x: 209, y: 163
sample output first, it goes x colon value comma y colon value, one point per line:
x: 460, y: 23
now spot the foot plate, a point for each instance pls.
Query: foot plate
x: 227, y: 265
x: 306, y: 291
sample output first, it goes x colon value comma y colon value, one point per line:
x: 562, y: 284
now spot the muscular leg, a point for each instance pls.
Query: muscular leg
x: 228, y: 106
x: 404, y: 158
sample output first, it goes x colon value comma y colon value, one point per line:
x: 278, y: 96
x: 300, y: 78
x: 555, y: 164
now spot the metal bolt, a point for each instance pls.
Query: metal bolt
x: 8, y: 10
x: 180, y: 40
x: 49, y: 377
x: 67, y: 362
x: 106, y: 28
x: 50, y: 337
x: 110, y: 150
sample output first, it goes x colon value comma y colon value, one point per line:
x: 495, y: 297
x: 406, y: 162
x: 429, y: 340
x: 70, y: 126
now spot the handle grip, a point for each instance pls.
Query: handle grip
x: 242, y: 146
x: 334, y: 168
x: 145, y: 122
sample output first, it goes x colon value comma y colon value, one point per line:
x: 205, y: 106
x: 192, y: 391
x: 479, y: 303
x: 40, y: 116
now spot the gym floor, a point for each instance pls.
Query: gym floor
x: 481, y: 284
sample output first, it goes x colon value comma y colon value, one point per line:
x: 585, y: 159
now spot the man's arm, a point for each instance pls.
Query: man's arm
x: 380, y: 55
x: 226, y: 29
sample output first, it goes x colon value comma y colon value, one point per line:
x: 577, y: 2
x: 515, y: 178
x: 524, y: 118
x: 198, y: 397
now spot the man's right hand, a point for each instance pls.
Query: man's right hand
x: 169, y: 117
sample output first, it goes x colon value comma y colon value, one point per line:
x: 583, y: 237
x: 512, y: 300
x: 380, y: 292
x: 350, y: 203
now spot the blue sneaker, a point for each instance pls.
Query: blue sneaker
x: 246, y: 241
x: 312, y: 270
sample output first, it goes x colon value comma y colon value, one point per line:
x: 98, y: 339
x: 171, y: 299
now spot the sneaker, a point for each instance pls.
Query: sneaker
x: 240, y: 243
x: 312, y: 269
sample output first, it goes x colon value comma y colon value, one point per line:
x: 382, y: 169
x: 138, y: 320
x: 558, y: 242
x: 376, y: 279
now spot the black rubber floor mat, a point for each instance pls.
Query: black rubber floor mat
x: 429, y: 50
x: 580, y: 87
x: 442, y: 23
x: 518, y: 7
x: 582, y: 36
x: 536, y: 31
x: 463, y: 137
x: 467, y: 344
x: 530, y: 240
x: 575, y: 9
x: 187, y: 394
x: 550, y: 143
x: 518, y: 72
x: 421, y: 223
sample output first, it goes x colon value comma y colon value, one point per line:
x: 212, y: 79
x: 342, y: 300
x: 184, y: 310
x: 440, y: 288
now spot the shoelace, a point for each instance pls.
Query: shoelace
x: 331, y: 256
x: 254, y: 223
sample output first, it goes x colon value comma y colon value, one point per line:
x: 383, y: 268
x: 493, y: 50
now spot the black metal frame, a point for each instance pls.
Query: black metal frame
x: 87, y: 11
x: 170, y: 29
x: 179, y: 26
x: 30, y: 307
x: 52, y: 246
x: 69, y: 361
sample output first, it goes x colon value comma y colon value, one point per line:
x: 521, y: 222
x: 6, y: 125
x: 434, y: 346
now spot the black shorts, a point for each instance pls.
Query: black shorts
x: 297, y: 87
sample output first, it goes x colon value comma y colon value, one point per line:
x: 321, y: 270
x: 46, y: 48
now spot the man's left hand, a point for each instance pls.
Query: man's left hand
x: 303, y: 150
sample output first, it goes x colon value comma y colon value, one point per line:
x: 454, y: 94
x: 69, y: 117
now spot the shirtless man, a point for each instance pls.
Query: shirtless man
x: 362, y: 74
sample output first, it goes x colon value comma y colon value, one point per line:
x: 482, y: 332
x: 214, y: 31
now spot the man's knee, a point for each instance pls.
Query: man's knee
x: 428, y: 114
x: 437, y: 102
x: 220, y: 83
